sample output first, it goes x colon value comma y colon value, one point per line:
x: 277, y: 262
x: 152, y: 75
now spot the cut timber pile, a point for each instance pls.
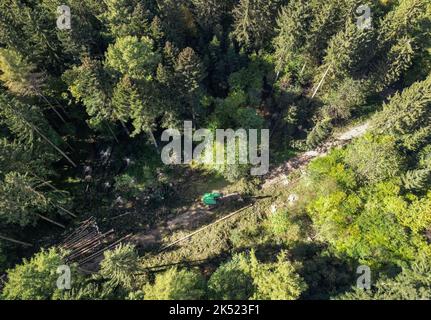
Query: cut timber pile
x: 87, y: 243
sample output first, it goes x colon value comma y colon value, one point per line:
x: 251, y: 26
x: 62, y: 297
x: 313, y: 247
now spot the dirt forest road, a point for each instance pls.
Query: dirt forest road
x: 197, y: 215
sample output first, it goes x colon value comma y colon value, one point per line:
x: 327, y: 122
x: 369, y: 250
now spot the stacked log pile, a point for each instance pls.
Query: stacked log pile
x: 86, y: 243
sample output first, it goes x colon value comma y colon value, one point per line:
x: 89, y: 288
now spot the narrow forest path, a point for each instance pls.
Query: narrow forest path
x: 198, y: 215
x: 279, y: 174
x: 190, y: 219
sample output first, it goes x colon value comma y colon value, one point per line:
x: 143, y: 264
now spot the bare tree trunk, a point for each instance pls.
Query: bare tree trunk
x: 125, y: 128
x: 51, y: 221
x: 46, y: 139
x: 153, y: 140
x: 55, y: 205
x: 52, y: 107
x: 112, y: 132
x: 65, y: 210
x: 16, y: 241
x: 303, y: 68
x: 321, y: 82
x: 53, y: 145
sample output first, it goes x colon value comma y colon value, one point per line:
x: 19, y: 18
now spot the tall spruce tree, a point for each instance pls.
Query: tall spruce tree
x: 126, y: 18
x: 190, y: 72
x: 254, y: 22
x: 407, y: 116
x: 403, y: 35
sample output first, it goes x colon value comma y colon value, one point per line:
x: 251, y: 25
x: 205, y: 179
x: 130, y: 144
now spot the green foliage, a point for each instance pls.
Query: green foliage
x: 36, y: 37
x: 125, y: 18
x: 329, y: 17
x: 366, y: 227
x: 402, y: 36
x: 27, y: 124
x: 16, y: 157
x: 229, y: 282
x: 273, y: 281
x: 406, y: 117
x: 374, y: 223
x: 120, y: 266
x: 417, y: 180
x: 87, y: 291
x: 254, y: 22
x: 17, y: 74
x: 190, y: 70
x: 209, y: 13
x: 375, y: 158
x: 347, y: 55
x: 332, y: 168
x: 286, y: 226
x: 345, y: 99
x: 417, y: 216
x: 83, y: 37
x: 36, y: 279
x: 412, y: 283
x: 19, y: 201
x: 128, y: 67
x: 278, y: 281
x: 178, y: 22
x: 133, y: 56
x: 128, y: 102
x: 189, y: 73
x: 91, y: 85
x: 250, y: 80
x: 176, y: 285
x: 320, y: 132
x: 280, y: 222
x: 292, y: 20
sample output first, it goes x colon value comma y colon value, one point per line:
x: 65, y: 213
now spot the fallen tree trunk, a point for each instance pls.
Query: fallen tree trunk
x: 16, y: 241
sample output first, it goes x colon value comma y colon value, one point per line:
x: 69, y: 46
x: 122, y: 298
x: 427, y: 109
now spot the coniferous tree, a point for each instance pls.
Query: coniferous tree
x: 119, y: 266
x: 30, y: 127
x: 126, y: 18
x: 190, y: 73
x: 17, y: 74
x: 178, y: 22
x: 407, y: 116
x: 412, y: 283
x: 84, y: 36
x: 254, y: 22
x: 36, y: 279
x: 175, y: 284
x: 21, y: 202
x: 319, y: 133
x: 348, y: 53
x: 291, y: 39
x: 416, y: 180
x: 402, y: 36
x: 91, y: 85
x: 133, y: 56
x: 328, y: 18
x: 209, y: 13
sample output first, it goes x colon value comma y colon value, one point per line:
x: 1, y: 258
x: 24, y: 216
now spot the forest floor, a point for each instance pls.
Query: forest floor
x: 191, y: 217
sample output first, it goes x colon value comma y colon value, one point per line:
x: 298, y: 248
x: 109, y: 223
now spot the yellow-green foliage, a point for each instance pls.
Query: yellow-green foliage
x: 35, y: 279
x: 17, y: 74
x: 176, y: 285
x: 256, y: 280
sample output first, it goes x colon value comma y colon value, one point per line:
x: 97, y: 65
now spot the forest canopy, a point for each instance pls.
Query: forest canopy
x: 83, y: 109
